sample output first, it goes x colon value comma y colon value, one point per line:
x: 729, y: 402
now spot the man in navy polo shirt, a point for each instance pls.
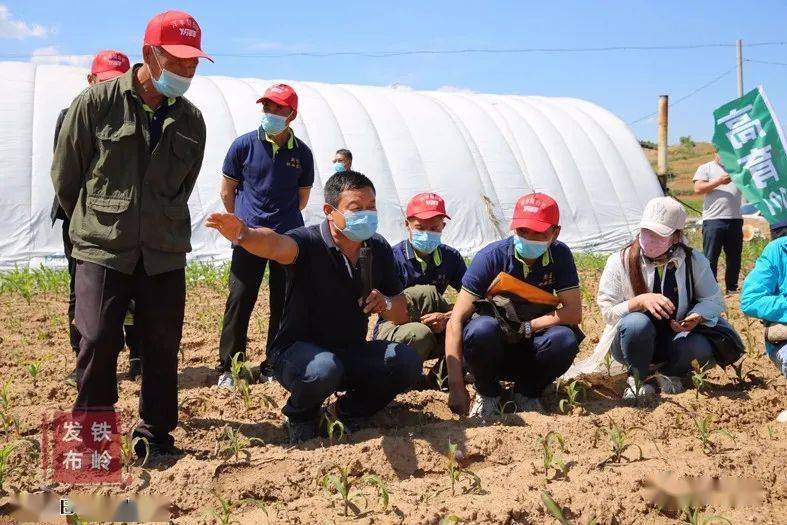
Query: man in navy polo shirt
x: 534, y: 255
x: 321, y: 345
x: 268, y: 174
x: 427, y: 267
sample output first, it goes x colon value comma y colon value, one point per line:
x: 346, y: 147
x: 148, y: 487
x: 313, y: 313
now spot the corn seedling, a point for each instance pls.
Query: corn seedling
x: 334, y: 427
x: 509, y: 406
x: 692, y: 516
x: 554, y: 509
x: 698, y: 376
x: 608, y: 363
x: 234, y: 443
x: 457, y: 473
x: 384, y: 497
x: 451, y: 519
x: 244, y: 390
x: 751, y: 343
x: 5, y: 467
x: 771, y: 433
x: 549, y: 445
x: 705, y: 432
x: 33, y: 368
x: 440, y: 376
x: 239, y: 368
x: 573, y: 390
x: 620, y: 441
x: 227, y: 508
x: 8, y: 422
x: 127, y: 445
x: 340, y: 483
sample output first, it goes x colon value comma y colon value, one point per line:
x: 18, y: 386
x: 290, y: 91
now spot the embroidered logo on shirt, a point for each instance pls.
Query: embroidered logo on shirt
x: 294, y: 162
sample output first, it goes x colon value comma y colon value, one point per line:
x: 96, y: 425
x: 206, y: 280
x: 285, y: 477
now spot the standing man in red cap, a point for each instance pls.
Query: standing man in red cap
x: 126, y: 162
x: 106, y: 66
x: 427, y: 267
x: 268, y: 175
x: 533, y: 255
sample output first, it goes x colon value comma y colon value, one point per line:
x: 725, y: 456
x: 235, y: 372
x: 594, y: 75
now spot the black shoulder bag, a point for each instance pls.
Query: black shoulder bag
x: 727, y: 344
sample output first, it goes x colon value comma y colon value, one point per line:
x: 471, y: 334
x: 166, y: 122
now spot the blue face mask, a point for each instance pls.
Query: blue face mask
x: 424, y: 241
x: 338, y: 167
x: 360, y: 225
x: 169, y: 84
x: 273, y: 124
x: 528, y: 249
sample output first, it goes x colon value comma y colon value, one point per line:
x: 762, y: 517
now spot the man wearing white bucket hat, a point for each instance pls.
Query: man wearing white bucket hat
x: 644, y: 299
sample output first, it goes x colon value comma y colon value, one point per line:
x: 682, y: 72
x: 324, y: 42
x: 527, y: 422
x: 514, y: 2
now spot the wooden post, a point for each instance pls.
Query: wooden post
x: 663, y: 140
x: 740, y: 68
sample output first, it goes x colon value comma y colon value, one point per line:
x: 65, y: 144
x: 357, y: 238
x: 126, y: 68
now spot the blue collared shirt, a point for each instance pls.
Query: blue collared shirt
x: 444, y: 267
x: 554, y: 272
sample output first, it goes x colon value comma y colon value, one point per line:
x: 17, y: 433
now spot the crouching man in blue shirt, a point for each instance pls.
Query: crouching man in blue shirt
x: 533, y: 255
x: 321, y: 344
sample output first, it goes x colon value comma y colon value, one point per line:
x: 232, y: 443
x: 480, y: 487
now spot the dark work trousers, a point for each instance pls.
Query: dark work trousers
x: 73, y: 333
x: 103, y: 297
x: 727, y: 235
x: 779, y: 231
x: 246, y: 273
x: 131, y: 339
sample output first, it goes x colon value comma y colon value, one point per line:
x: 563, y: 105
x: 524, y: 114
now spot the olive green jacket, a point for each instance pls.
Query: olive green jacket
x: 124, y: 201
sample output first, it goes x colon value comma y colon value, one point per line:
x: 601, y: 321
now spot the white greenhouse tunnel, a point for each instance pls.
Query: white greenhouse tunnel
x: 480, y: 152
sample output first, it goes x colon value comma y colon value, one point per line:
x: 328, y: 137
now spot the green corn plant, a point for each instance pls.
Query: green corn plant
x: 698, y: 376
x: 5, y: 466
x: 502, y: 407
x: 335, y: 428
x: 8, y: 422
x: 692, y: 516
x: 457, y: 473
x: 232, y: 441
x: 620, y: 442
x: 239, y: 368
x: 5, y: 399
x: 771, y: 433
x: 440, y: 376
x: 573, y: 390
x: 33, y: 368
x: 383, y: 496
x: 451, y: 519
x: 242, y: 386
x: 705, y: 432
x: 549, y: 445
x: 127, y: 444
x: 553, y: 508
x: 751, y: 343
x: 227, y: 508
x: 342, y: 484
x: 608, y: 363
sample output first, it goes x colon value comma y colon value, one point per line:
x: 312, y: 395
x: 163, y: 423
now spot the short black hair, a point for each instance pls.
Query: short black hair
x: 347, y: 153
x: 343, y: 181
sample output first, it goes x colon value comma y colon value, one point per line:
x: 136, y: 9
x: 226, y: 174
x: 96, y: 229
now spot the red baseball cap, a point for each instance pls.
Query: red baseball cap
x: 281, y: 94
x: 178, y: 33
x: 109, y: 64
x: 426, y: 206
x: 535, y: 211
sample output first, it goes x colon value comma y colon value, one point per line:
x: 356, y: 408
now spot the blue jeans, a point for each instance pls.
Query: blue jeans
x: 638, y: 344
x: 371, y: 374
x: 532, y: 365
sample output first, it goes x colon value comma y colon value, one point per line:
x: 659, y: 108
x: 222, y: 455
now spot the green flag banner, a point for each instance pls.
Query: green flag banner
x: 750, y: 143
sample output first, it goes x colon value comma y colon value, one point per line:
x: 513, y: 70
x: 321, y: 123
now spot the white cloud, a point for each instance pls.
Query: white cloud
x: 13, y: 28
x: 51, y: 55
x: 454, y: 89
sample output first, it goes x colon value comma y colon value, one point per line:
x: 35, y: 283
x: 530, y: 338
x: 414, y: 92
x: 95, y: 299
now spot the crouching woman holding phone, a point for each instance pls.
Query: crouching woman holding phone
x: 651, y: 305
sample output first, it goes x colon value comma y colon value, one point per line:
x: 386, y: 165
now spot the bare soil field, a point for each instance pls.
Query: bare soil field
x: 499, y: 475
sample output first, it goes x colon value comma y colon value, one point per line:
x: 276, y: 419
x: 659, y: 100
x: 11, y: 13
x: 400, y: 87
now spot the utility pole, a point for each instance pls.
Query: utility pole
x: 662, y: 145
x: 740, y: 68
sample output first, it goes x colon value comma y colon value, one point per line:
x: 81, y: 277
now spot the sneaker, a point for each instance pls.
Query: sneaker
x: 301, y: 431
x: 782, y: 418
x: 134, y: 368
x: 154, y: 450
x: 485, y: 406
x: 71, y: 379
x: 527, y: 404
x: 645, y: 390
x: 670, y: 384
x: 226, y: 381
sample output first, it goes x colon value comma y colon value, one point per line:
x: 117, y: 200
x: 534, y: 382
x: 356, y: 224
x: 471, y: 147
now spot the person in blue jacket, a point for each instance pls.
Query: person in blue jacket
x: 764, y: 297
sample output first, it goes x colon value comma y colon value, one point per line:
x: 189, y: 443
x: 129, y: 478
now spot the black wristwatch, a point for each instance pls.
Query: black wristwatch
x: 528, y: 330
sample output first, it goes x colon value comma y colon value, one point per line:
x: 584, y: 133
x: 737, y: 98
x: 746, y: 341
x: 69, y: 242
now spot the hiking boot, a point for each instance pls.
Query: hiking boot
x: 134, y: 368
x: 645, y: 390
x: 226, y: 381
x: 670, y: 384
x: 71, y: 379
x: 527, y: 404
x: 485, y: 407
x: 301, y: 431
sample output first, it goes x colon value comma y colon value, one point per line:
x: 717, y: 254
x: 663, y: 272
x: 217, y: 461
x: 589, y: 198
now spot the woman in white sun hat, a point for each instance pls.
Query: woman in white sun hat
x: 644, y: 300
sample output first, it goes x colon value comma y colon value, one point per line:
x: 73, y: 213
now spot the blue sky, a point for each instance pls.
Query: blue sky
x: 625, y: 82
